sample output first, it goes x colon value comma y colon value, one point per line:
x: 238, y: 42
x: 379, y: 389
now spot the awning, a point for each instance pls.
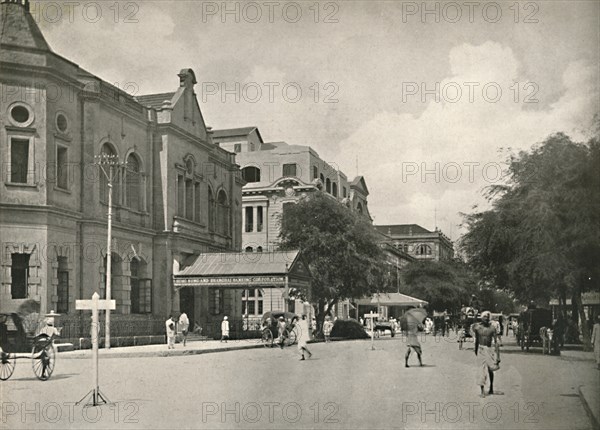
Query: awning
x: 280, y: 269
x: 391, y: 299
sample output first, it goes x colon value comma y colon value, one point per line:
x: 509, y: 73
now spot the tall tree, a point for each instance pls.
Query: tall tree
x: 444, y: 284
x: 541, y: 239
x: 340, y: 248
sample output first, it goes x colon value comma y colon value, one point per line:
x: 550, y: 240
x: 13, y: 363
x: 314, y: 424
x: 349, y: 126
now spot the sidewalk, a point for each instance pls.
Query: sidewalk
x: 160, y: 350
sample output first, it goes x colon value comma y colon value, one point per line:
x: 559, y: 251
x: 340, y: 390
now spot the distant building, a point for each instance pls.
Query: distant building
x: 278, y: 174
x: 419, y: 242
x: 176, y: 194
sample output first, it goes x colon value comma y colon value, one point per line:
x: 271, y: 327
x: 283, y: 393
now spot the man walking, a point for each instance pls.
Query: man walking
x: 596, y: 341
x: 184, y: 324
x: 224, y: 330
x: 327, y: 327
x: 171, y: 332
x: 413, y: 342
x: 303, y: 337
x: 488, y: 361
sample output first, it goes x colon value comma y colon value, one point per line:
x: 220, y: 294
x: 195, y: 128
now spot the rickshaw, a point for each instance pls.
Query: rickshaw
x: 270, y: 331
x: 17, y: 342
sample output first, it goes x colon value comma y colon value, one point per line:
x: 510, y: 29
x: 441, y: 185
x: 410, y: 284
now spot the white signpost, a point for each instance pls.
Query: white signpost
x: 97, y: 398
x: 372, y: 316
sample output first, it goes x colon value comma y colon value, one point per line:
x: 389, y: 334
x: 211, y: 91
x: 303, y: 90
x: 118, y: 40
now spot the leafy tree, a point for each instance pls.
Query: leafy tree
x: 444, y: 284
x: 541, y: 239
x: 340, y: 248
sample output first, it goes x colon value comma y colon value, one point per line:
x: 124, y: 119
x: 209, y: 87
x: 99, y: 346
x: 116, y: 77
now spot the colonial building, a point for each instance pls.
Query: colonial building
x: 419, y: 242
x: 278, y: 174
x: 175, y: 193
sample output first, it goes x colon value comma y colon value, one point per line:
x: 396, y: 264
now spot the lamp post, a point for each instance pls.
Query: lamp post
x: 107, y: 163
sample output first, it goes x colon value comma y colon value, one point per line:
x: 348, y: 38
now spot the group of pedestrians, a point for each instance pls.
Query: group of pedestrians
x: 171, y: 328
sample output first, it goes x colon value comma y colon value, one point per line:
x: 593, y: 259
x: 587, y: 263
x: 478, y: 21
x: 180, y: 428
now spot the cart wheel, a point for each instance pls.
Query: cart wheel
x: 7, y: 365
x: 291, y: 338
x: 267, y: 338
x: 43, y: 358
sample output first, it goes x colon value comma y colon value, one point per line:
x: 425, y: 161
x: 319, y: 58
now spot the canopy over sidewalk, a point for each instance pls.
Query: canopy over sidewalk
x: 391, y: 299
x: 282, y: 269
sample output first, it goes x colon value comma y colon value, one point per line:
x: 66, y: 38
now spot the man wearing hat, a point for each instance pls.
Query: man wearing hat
x: 488, y: 360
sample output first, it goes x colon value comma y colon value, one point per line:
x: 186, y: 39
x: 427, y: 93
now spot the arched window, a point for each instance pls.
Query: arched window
x: 108, y: 153
x: 251, y: 174
x: 249, y: 249
x: 359, y: 208
x: 252, y: 302
x: 423, y: 250
x: 211, y: 210
x: 328, y: 185
x: 222, y: 214
x: 141, y: 287
x: 334, y: 190
x: 133, y: 184
x: 259, y: 249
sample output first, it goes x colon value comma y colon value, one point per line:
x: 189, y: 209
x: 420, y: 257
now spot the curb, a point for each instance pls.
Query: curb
x: 172, y: 353
x: 588, y: 408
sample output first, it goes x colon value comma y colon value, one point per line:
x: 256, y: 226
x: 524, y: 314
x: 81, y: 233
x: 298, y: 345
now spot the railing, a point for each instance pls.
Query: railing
x: 73, y: 327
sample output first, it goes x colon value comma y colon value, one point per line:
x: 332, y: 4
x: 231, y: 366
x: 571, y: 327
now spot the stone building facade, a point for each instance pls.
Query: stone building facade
x: 175, y: 192
x: 419, y: 242
x: 278, y: 174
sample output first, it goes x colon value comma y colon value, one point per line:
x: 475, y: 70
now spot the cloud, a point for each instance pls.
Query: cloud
x: 443, y: 158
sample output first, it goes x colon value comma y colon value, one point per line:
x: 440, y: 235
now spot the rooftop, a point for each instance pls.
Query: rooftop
x: 154, y: 101
x: 18, y: 28
x: 241, y: 263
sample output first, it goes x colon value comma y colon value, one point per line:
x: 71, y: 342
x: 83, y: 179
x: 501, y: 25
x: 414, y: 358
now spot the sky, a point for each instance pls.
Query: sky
x: 424, y: 99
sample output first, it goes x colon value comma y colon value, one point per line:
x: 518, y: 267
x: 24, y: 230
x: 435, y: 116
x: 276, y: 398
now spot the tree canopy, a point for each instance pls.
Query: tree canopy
x: 340, y: 248
x: 541, y: 238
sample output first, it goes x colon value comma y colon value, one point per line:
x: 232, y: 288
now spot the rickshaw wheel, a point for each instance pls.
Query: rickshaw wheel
x: 7, y: 365
x: 267, y: 338
x: 291, y: 338
x: 43, y: 358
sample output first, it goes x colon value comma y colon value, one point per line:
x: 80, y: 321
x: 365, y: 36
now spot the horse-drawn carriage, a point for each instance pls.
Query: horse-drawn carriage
x: 531, y: 323
x: 270, y: 329
x: 17, y: 340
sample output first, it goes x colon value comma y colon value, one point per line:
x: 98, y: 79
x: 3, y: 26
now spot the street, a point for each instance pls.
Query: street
x: 345, y: 385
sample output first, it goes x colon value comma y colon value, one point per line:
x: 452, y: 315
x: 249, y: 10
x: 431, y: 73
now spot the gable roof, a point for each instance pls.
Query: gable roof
x: 402, y: 229
x: 154, y: 101
x: 242, y: 263
x: 234, y: 132
x: 360, y: 183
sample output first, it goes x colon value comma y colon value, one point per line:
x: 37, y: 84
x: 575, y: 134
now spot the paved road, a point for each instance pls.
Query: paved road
x: 345, y: 385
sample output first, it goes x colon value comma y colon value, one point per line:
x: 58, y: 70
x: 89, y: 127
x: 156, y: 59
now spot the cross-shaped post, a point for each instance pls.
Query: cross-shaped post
x: 95, y: 305
x: 372, y: 316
